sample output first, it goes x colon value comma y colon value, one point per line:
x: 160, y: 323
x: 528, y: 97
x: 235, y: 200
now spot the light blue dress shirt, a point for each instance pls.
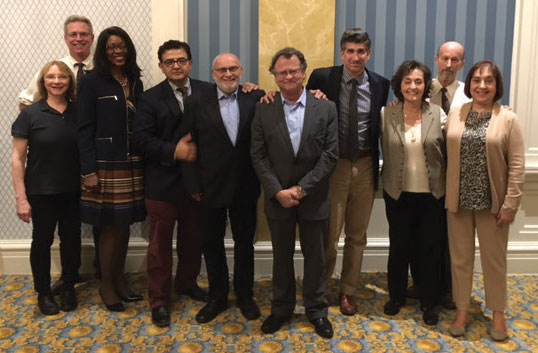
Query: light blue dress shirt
x: 229, y: 110
x: 294, y: 119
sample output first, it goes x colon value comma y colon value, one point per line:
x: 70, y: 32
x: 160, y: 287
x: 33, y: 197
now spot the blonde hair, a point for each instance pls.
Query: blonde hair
x: 70, y: 93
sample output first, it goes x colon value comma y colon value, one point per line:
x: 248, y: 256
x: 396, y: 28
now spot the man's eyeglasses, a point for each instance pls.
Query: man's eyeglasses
x: 74, y: 35
x: 223, y: 70
x: 171, y: 62
x: 284, y: 74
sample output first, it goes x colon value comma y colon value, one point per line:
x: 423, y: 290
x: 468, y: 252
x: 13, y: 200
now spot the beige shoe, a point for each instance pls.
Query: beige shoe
x: 456, y: 330
x: 498, y: 335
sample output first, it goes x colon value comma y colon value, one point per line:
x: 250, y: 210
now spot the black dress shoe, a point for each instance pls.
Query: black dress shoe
x: 112, y: 307
x: 412, y: 292
x: 430, y: 316
x: 248, y: 308
x: 68, y: 300
x: 47, y: 304
x: 391, y: 308
x: 323, y: 327
x: 273, y: 323
x: 196, y: 293
x: 160, y: 316
x: 131, y: 297
x: 210, y: 311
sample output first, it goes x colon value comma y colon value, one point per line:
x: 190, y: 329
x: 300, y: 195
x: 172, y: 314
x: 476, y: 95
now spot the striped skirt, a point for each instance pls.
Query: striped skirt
x: 120, y: 198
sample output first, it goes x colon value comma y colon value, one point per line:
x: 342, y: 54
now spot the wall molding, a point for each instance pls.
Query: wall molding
x: 14, y: 257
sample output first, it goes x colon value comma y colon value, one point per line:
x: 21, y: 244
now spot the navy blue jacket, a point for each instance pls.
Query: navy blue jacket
x: 102, y: 120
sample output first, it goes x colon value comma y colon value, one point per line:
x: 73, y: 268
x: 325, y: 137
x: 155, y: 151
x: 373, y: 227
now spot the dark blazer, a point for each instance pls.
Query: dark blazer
x: 102, y: 119
x: 157, y: 129
x: 278, y: 168
x: 328, y: 81
x: 222, y: 170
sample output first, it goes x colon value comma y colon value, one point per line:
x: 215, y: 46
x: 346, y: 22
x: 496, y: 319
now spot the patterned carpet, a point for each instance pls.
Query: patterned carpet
x: 93, y: 329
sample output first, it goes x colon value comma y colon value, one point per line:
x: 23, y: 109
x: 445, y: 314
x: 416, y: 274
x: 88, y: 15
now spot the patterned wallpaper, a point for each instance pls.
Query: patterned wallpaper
x: 218, y: 26
x: 414, y: 29
x: 31, y: 35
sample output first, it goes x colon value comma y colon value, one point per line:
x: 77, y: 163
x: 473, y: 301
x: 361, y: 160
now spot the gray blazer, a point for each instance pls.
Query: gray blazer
x: 393, y: 145
x: 278, y: 168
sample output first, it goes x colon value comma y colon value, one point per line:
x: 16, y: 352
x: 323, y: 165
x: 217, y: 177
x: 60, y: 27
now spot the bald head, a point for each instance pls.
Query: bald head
x: 450, y: 60
x: 227, y: 72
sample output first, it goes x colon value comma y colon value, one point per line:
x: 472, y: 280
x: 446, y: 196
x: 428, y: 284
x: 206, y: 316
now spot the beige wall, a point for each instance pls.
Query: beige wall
x: 306, y: 25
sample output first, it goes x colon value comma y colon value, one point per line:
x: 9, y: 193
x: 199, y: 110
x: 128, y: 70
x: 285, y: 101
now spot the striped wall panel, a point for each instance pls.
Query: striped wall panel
x: 414, y: 29
x: 218, y: 26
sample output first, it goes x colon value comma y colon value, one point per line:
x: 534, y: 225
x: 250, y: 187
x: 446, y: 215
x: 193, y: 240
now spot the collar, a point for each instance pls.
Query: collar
x: 361, y: 80
x: 45, y: 107
x: 451, y: 88
x: 88, y: 62
x: 302, y: 99
x: 222, y: 95
x: 175, y: 87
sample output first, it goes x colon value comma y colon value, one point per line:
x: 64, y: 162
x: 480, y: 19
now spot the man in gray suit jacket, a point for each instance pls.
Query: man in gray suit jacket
x: 294, y: 150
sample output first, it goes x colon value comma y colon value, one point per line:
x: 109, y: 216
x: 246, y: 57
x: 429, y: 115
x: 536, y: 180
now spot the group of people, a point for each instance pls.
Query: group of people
x: 94, y: 147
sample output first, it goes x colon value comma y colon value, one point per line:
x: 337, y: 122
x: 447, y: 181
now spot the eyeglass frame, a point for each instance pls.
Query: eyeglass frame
x: 171, y: 62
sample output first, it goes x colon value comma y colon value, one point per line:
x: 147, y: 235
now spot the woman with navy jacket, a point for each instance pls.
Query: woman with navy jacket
x: 112, y: 174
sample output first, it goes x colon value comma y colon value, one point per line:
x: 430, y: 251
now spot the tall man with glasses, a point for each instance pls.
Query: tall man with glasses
x: 163, y: 143
x: 294, y: 150
x: 224, y: 180
x: 359, y: 95
x: 78, y: 36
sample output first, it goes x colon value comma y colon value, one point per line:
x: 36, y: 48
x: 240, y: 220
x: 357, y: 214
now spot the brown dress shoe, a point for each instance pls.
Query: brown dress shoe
x: 347, y: 305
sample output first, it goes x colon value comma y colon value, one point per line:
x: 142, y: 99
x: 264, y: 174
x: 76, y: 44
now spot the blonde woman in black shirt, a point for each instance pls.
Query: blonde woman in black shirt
x: 46, y: 177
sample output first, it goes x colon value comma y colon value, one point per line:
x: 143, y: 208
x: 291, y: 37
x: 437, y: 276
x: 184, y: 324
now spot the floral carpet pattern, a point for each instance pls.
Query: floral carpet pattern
x: 91, y: 328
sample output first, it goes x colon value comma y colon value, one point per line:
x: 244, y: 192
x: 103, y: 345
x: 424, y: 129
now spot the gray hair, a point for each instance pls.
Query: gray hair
x: 354, y: 35
x: 77, y: 18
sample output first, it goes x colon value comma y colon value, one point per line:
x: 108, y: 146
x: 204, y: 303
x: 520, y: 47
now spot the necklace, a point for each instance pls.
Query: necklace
x: 124, y: 83
x: 411, y: 130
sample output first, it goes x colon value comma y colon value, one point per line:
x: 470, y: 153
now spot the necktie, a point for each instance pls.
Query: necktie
x: 184, y: 92
x: 80, y: 71
x: 445, y: 104
x: 353, y: 117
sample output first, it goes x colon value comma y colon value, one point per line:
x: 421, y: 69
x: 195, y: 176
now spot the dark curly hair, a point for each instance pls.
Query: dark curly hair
x: 405, y: 68
x: 100, y: 59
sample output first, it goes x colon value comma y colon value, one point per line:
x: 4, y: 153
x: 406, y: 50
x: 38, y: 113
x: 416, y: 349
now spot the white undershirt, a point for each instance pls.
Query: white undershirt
x: 415, y: 178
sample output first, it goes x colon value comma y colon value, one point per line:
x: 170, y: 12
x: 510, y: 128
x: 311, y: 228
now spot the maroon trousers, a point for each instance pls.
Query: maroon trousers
x: 163, y: 217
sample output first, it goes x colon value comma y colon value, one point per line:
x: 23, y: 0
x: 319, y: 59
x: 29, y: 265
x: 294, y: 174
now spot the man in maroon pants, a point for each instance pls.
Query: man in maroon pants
x: 157, y: 130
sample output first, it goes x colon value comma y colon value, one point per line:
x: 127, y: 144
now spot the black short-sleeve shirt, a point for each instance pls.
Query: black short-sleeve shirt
x: 52, y: 165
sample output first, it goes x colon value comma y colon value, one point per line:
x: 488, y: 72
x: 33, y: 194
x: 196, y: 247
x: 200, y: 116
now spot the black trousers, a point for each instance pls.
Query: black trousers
x: 47, y: 212
x: 416, y: 226
x: 313, y: 238
x: 242, y: 214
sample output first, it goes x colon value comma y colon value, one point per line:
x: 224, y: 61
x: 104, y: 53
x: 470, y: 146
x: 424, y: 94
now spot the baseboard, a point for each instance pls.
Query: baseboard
x: 14, y: 257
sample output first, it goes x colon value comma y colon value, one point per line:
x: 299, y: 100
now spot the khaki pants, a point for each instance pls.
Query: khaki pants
x: 351, y: 198
x: 493, y: 247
